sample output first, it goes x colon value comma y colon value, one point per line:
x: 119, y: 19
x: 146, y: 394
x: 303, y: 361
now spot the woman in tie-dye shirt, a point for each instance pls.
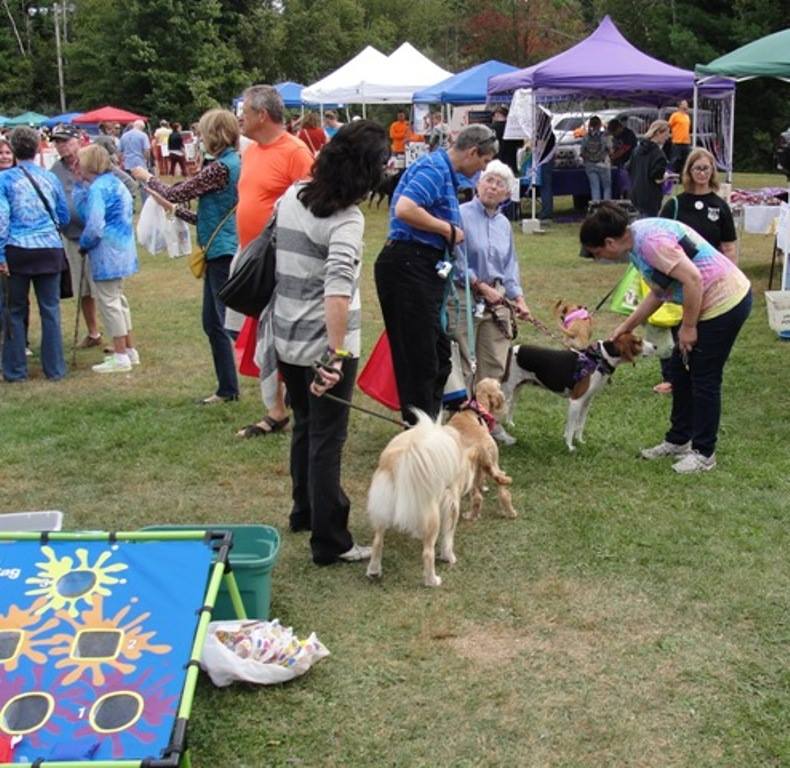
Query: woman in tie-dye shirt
x: 680, y: 266
x: 106, y: 207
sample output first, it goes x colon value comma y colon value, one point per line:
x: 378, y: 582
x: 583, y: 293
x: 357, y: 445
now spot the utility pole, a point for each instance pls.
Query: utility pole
x: 56, y: 11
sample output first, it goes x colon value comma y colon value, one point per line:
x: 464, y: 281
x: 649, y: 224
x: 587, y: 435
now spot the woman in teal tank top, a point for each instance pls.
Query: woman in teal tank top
x: 215, y: 187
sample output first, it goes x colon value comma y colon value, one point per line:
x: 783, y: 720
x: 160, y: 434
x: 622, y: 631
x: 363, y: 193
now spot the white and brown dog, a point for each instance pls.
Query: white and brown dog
x: 578, y: 376
x: 417, y: 488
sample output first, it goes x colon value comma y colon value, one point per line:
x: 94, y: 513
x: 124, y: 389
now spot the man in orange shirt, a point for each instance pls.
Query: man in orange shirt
x: 399, y: 132
x: 269, y: 166
x: 680, y: 125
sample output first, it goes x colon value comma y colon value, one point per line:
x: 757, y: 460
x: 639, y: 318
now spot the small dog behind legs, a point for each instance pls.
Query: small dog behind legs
x: 575, y: 322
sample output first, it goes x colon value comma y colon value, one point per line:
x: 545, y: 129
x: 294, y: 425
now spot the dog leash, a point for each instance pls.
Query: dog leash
x: 321, y: 365
x: 381, y: 416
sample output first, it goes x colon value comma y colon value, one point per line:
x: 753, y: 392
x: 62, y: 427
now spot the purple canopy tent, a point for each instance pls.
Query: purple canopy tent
x: 606, y: 66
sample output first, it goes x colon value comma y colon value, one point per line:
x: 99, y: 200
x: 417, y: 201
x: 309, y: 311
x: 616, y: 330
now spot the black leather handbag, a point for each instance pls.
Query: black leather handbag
x: 251, y: 286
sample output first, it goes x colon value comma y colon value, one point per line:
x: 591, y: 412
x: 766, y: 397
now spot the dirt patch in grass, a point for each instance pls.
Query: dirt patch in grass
x: 567, y: 619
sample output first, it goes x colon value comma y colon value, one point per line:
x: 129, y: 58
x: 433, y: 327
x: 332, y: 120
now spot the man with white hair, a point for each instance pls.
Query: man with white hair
x: 135, y: 147
x: 488, y: 254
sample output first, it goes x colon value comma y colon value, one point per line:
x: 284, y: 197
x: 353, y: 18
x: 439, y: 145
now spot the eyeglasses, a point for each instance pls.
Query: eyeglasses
x: 701, y: 168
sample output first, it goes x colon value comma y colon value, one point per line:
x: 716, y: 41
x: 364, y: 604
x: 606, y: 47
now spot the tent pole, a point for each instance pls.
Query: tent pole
x: 731, y: 142
x: 534, y: 168
x: 694, y: 114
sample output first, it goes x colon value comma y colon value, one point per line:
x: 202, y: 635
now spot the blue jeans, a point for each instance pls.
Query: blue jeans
x: 213, y: 326
x: 600, y: 178
x: 47, y: 288
x: 696, y: 392
x: 546, y: 190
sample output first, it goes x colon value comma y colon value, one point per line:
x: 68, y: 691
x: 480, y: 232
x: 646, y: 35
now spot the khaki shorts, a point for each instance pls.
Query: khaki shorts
x: 113, y: 307
x: 75, y: 267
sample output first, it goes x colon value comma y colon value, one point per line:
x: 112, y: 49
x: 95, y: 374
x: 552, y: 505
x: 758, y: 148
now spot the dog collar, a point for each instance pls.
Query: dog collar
x: 603, y: 364
x: 482, y: 413
x: 577, y: 314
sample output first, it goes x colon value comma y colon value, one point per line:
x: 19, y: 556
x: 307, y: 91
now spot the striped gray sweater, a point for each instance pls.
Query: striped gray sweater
x: 315, y: 258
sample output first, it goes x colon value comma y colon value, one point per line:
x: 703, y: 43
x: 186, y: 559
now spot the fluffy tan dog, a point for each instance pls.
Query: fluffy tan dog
x: 417, y: 488
x: 575, y: 322
x: 481, y: 449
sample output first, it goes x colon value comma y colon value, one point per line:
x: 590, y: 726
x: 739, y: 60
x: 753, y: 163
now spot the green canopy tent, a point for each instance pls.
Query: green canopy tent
x: 767, y: 57
x: 27, y: 118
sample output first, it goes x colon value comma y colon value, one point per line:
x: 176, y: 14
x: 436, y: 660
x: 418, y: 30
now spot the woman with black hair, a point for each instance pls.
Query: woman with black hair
x: 680, y: 266
x: 316, y: 317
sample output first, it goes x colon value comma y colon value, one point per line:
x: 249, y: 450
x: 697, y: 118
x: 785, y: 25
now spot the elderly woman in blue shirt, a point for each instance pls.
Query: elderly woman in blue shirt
x: 106, y: 207
x: 32, y: 210
x: 489, y: 255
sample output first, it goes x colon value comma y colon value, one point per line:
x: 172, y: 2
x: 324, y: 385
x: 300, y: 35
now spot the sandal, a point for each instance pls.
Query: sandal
x: 91, y: 341
x: 256, y: 430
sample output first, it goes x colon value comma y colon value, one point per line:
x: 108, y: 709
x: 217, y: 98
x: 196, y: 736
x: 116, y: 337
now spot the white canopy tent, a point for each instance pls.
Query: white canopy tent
x: 372, y: 78
x: 348, y: 80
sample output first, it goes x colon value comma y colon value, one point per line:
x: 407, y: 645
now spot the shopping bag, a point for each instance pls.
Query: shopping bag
x: 245, y: 348
x: 455, y: 386
x: 151, y: 227
x: 626, y: 295
x: 262, y: 652
x: 668, y: 315
x: 377, y: 379
x: 178, y: 239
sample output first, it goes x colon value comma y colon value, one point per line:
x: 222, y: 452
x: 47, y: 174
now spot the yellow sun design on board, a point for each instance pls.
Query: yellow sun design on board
x: 64, y: 583
x: 98, y: 642
x: 17, y: 639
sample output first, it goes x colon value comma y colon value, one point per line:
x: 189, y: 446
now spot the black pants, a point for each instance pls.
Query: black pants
x: 319, y: 433
x: 411, y: 294
x: 696, y: 393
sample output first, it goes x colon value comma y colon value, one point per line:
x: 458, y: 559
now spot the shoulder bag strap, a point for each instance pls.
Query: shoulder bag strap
x: 219, y: 227
x: 41, y: 197
x: 675, y: 200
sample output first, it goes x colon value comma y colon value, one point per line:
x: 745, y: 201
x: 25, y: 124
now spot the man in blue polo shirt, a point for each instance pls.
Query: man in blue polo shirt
x: 410, y: 278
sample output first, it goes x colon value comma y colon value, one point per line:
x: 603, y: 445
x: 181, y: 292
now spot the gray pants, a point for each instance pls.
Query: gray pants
x: 491, y: 345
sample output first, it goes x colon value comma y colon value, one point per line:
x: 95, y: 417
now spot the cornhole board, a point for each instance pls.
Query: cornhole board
x: 100, y: 639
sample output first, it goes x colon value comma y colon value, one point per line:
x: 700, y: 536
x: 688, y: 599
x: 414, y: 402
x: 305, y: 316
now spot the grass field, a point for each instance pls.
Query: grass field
x: 628, y: 617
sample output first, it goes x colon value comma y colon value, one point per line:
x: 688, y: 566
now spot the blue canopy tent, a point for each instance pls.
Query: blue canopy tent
x: 467, y: 87
x: 291, y: 94
x: 64, y: 119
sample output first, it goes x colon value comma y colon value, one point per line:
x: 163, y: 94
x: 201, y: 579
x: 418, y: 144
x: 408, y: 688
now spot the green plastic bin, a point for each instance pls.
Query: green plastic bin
x: 254, y: 553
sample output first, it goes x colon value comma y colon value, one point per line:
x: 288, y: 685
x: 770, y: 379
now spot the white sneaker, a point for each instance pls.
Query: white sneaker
x: 113, y: 364
x: 694, y: 461
x: 665, y: 449
x: 355, y: 554
x: 134, y: 355
x: 501, y: 436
